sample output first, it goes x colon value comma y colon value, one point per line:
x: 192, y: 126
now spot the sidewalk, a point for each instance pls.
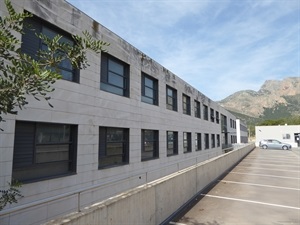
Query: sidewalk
x: 262, y: 189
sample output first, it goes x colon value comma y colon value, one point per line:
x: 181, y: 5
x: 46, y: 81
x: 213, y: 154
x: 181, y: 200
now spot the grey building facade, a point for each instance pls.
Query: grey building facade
x: 122, y: 122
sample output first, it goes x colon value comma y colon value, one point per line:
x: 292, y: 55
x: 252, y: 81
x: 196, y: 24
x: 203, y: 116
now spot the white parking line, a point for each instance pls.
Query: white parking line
x: 268, y: 169
x: 271, y: 161
x: 264, y: 175
x: 175, y: 223
x: 270, y: 164
x: 249, y: 201
x: 260, y: 185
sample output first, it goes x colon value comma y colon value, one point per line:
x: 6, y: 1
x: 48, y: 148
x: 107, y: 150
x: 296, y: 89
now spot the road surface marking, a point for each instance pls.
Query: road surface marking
x: 260, y: 185
x: 267, y: 168
x: 249, y: 201
x: 264, y: 175
x: 270, y: 164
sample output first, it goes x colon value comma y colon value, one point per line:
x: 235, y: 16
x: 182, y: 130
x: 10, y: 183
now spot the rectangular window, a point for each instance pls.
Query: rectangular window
x: 187, y: 142
x: 198, y: 143
x: 171, y: 98
x: 186, y: 104
x: 149, y: 144
x: 197, y: 109
x: 31, y: 44
x: 212, y: 115
x: 286, y: 136
x: 113, y: 146
x: 206, y: 141
x: 213, y: 141
x: 218, y: 140
x: 205, y: 112
x: 224, y: 124
x: 172, y: 143
x: 149, y: 89
x: 114, y: 75
x: 44, y: 150
x: 217, y: 117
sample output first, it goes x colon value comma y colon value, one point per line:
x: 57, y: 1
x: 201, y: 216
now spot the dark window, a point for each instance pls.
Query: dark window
x: 206, y: 141
x: 285, y: 136
x: 205, y: 112
x: 224, y: 123
x: 31, y: 44
x: 172, y: 143
x: 217, y: 117
x: 113, y: 146
x: 149, y: 144
x: 171, y: 99
x: 44, y: 150
x: 213, y: 141
x: 198, y: 142
x: 218, y: 140
x: 149, y: 90
x: 186, y: 104
x: 197, y: 109
x: 187, y: 142
x: 212, y: 115
x: 114, y: 75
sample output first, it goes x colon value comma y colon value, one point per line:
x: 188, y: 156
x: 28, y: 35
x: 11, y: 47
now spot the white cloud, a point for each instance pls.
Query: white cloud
x: 219, y: 47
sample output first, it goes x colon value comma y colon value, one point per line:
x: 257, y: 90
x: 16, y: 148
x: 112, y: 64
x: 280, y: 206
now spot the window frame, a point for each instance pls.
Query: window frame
x: 212, y: 116
x: 198, y: 141
x: 187, y: 142
x: 217, y: 117
x: 31, y: 44
x: 155, y: 144
x: 186, y: 104
x: 206, y: 141
x: 172, y: 106
x: 154, y: 89
x: 197, y: 108
x: 205, y: 112
x: 108, y: 73
x: 103, y: 147
x: 174, y: 142
x: 213, y: 141
x: 29, y: 144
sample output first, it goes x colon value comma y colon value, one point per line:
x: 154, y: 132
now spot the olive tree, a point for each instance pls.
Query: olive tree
x: 22, y: 75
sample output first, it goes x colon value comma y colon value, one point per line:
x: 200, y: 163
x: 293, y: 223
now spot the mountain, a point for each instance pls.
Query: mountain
x: 275, y: 99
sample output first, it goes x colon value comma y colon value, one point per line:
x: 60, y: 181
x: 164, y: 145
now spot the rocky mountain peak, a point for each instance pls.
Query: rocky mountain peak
x: 284, y: 92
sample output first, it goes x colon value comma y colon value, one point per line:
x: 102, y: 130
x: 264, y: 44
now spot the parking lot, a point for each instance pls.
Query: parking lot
x: 262, y: 189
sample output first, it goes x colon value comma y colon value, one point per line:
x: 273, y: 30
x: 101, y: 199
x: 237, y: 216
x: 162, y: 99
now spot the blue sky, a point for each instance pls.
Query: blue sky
x: 218, y: 47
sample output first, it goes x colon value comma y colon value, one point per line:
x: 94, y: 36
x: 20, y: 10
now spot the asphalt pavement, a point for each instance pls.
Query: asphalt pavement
x: 263, y: 189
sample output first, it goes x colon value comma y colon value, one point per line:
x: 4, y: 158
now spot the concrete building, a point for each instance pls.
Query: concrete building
x: 285, y: 133
x: 122, y: 122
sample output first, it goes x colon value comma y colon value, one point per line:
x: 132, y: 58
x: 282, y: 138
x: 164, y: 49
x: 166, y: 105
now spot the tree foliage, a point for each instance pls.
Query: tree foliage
x: 21, y: 75
x: 10, y: 195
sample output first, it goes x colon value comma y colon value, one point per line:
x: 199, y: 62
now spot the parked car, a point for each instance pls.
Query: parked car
x: 272, y: 143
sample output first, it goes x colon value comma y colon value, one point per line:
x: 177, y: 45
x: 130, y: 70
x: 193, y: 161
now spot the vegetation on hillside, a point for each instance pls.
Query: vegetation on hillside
x: 293, y: 120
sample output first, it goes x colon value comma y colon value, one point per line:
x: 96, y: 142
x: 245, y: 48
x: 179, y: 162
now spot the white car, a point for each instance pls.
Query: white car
x: 272, y: 143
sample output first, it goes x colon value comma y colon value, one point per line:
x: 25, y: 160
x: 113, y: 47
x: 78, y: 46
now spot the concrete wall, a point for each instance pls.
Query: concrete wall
x: 154, y: 202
